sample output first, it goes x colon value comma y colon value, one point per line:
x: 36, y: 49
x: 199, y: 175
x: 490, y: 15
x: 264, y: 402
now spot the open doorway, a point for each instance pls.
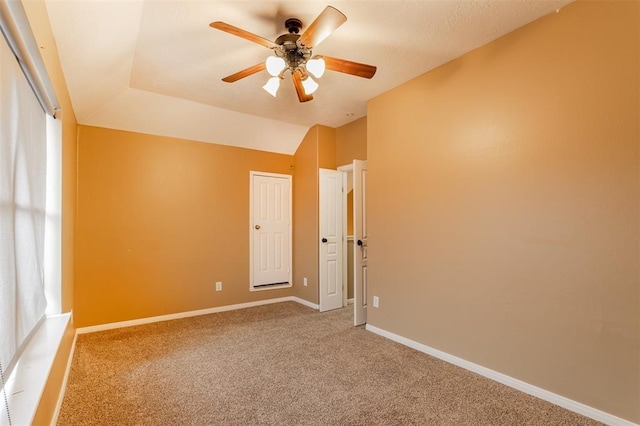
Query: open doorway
x: 355, y: 239
x: 348, y: 218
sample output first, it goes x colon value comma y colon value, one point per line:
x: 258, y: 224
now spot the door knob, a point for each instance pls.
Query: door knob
x: 360, y: 243
x: 324, y: 240
x: 257, y: 226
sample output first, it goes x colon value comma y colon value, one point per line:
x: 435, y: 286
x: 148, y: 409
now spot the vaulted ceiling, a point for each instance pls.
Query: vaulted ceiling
x: 155, y: 66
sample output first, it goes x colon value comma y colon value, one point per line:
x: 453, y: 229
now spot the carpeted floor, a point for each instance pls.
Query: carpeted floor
x: 281, y: 364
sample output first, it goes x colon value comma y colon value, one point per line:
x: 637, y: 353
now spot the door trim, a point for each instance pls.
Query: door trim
x: 251, y: 233
x: 346, y: 169
x: 360, y: 305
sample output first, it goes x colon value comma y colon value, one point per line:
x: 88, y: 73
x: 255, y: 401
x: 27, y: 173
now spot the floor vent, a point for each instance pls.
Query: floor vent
x: 271, y: 284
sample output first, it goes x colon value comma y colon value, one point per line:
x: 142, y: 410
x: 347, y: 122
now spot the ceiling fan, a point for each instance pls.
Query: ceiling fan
x: 293, y: 52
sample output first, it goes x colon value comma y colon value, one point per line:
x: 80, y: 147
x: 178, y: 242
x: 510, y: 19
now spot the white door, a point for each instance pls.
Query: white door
x: 331, y: 222
x: 360, y: 240
x: 270, y: 231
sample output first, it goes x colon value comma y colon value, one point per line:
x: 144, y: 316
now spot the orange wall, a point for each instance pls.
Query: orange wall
x: 160, y: 220
x: 504, y: 202
x: 305, y: 217
x: 326, y: 147
x: 351, y: 142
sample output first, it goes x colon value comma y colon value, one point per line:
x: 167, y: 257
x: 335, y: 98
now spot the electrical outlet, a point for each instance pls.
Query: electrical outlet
x: 376, y: 301
x: 218, y: 285
x: 304, y: 281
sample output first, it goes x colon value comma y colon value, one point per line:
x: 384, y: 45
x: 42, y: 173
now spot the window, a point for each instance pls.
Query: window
x: 22, y: 208
x: 27, y: 172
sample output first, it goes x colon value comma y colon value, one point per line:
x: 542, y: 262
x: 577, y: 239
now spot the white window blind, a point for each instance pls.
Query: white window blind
x: 23, y: 158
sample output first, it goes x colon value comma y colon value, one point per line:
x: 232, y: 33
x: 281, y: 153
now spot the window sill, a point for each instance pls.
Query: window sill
x: 27, y: 381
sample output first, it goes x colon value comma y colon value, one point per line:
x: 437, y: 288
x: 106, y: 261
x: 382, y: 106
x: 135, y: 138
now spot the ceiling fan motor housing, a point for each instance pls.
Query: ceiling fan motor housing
x: 294, y: 53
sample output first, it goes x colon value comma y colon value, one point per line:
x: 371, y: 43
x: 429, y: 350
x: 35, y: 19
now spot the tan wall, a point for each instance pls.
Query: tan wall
x: 160, y: 220
x: 317, y: 150
x: 305, y: 217
x: 39, y: 21
x: 326, y: 147
x: 351, y: 142
x: 350, y: 212
x: 504, y: 201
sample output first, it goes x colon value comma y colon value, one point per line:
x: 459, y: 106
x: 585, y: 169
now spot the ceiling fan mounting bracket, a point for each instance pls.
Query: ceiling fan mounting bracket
x: 293, y: 25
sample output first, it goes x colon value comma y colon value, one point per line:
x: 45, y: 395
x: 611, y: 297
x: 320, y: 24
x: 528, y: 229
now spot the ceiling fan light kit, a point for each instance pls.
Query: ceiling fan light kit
x: 309, y: 85
x: 275, y: 65
x: 293, y: 53
x: 316, y: 66
x: 272, y: 86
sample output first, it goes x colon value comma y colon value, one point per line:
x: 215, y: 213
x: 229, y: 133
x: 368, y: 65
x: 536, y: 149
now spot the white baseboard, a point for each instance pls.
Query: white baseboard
x: 546, y: 395
x: 305, y: 303
x: 65, y: 380
x: 149, y: 320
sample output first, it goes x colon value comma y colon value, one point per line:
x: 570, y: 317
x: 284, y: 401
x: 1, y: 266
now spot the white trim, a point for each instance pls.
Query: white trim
x: 149, y: 320
x: 27, y: 381
x: 546, y: 395
x: 252, y: 174
x: 53, y: 218
x: 346, y: 169
x: 305, y: 303
x: 345, y: 246
x: 65, y: 380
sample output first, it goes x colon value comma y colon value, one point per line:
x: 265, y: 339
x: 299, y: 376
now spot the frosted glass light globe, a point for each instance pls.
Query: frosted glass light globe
x: 272, y: 86
x: 309, y: 85
x: 316, y: 67
x: 275, y: 65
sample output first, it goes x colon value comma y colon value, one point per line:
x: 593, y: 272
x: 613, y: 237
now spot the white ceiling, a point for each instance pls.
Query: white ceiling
x: 155, y: 66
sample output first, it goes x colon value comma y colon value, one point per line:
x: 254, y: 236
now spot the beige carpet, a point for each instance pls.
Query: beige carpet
x: 282, y: 364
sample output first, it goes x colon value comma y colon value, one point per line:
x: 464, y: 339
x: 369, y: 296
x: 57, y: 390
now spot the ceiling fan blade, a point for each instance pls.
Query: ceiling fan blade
x: 326, y: 23
x: 297, y: 83
x: 242, y: 33
x: 349, y: 67
x: 245, y: 73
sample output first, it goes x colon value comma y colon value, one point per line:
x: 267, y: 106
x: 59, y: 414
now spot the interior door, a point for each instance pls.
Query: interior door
x: 360, y: 238
x: 270, y: 231
x: 330, y: 233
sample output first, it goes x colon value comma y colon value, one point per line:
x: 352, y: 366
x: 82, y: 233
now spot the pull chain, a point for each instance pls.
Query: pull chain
x: 4, y: 392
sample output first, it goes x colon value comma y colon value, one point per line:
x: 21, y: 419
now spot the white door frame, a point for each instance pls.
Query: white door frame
x: 252, y: 174
x: 346, y: 169
x: 360, y: 238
